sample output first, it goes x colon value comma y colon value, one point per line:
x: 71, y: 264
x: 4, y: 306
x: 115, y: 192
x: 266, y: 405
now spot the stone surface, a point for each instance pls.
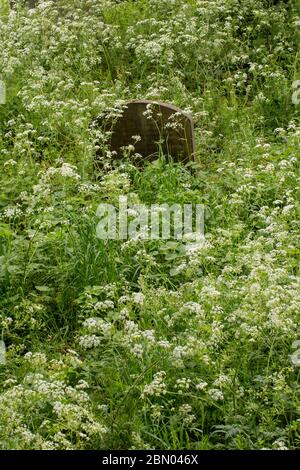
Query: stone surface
x: 159, y: 125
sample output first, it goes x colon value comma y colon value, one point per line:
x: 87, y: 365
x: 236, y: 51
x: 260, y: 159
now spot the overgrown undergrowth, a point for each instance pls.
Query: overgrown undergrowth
x: 144, y: 344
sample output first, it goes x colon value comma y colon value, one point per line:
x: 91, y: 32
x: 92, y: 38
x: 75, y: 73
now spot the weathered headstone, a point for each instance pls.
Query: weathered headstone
x: 150, y: 126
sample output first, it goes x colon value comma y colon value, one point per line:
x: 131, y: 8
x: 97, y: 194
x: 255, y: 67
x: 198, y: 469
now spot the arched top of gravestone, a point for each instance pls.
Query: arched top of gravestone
x: 161, y: 104
x: 151, y: 127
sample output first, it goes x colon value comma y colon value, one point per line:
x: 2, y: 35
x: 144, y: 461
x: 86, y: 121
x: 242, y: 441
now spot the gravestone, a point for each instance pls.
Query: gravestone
x: 150, y: 126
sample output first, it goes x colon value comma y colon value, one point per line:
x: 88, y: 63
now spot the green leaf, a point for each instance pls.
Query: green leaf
x: 2, y: 352
x: 43, y: 288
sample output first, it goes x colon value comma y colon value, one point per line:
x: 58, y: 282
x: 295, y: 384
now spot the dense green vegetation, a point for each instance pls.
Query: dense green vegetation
x: 144, y: 344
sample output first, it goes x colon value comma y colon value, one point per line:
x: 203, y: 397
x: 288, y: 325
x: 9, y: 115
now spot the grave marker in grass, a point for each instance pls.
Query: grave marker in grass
x: 150, y: 127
